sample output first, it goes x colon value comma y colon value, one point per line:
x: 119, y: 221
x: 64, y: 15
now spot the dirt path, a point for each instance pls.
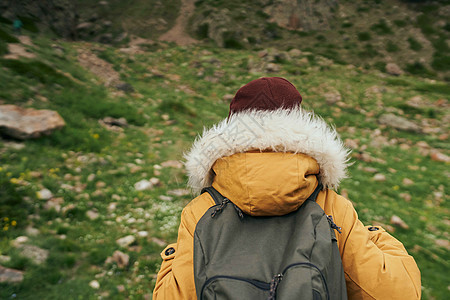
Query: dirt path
x: 178, y: 33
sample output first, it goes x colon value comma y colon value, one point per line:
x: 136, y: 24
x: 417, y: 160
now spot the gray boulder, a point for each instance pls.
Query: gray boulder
x: 26, y: 123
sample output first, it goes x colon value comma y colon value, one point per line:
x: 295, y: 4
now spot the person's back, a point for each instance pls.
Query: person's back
x: 267, y: 158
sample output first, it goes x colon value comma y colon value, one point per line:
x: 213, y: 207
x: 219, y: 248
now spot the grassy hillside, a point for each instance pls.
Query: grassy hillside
x: 91, y: 169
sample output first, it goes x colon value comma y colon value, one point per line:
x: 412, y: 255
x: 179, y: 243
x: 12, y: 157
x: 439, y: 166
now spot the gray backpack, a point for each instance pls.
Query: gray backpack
x: 295, y: 256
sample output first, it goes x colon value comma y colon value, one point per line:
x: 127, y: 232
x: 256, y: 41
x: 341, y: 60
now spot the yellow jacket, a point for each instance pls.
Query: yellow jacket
x: 268, y: 183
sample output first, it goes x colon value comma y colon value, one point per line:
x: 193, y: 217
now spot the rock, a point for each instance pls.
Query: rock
x: 393, y: 69
x: 121, y: 37
x: 92, y: 214
x: 4, y: 259
x: 438, y: 156
x: 294, y: 53
x: 25, y: 123
x: 143, y: 234
x: 272, y: 67
x: 94, y: 284
x: 172, y: 164
x: 121, y: 259
x: 32, y: 231
x: 228, y: 97
x: 395, y: 220
x: 143, y: 185
x: 441, y: 243
x: 416, y: 101
x: 407, y: 181
x: 155, y: 181
x: 159, y: 242
x: 369, y: 170
x: 165, y: 198
x: 10, y: 275
x: 379, y: 177
x: 85, y: 26
x: 126, y: 241
x: 179, y: 192
x: 332, y: 97
x: 405, y: 196
x: 399, y: 123
x: 91, y: 177
x: 44, y: 194
x: 19, y: 241
x: 34, y: 253
x: 121, y: 122
x: 120, y: 288
x: 126, y: 87
x: 54, y: 203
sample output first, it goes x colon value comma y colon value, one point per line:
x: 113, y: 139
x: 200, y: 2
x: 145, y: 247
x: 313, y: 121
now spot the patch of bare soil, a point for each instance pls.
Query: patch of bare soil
x: 178, y: 32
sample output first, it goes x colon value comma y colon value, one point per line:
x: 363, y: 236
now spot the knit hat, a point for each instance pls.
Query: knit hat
x: 267, y: 93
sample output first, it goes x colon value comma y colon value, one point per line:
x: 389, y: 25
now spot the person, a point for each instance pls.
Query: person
x: 17, y: 24
x: 268, y: 157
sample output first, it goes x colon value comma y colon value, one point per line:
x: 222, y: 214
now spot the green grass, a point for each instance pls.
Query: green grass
x: 164, y: 115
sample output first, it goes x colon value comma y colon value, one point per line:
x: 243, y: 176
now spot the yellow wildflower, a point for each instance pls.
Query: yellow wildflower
x: 13, y: 223
x: 395, y: 187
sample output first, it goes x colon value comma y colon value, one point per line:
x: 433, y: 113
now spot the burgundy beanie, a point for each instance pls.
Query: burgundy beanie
x: 267, y: 93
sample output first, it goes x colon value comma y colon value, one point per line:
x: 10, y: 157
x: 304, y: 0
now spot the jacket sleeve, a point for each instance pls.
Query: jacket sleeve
x: 176, y: 277
x: 376, y: 265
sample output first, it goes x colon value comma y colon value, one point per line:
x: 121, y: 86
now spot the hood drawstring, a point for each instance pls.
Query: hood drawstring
x: 273, y: 286
x: 332, y: 224
x: 222, y: 205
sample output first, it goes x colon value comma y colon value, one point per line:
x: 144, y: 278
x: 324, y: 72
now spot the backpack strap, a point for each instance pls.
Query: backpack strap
x: 314, y: 194
x: 218, y: 198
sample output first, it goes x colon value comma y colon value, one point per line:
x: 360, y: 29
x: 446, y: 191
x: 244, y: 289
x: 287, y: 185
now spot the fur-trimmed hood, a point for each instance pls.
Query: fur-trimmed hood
x: 296, y: 131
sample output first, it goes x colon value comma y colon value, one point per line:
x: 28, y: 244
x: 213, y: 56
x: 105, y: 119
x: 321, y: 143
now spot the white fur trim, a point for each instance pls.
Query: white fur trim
x: 297, y: 131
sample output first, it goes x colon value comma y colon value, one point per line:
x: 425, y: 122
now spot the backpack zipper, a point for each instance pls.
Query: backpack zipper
x: 259, y: 284
x: 310, y: 265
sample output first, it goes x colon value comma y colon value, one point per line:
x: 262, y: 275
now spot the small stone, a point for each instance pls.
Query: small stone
x: 120, y: 122
x: 438, y: 156
x: 398, y: 122
x: 94, y: 284
x: 393, y: 69
x: 92, y: 214
x: 407, y: 181
x: 19, y: 241
x: 396, y: 220
x: 44, y: 194
x: 142, y: 234
x: 143, y: 185
x: 126, y: 241
x: 159, y: 242
x: 443, y: 243
x: 295, y: 53
x: 31, y: 231
x: 228, y: 97
x: 179, y: 192
x: 406, y: 197
x: 54, y: 203
x: 91, y: 177
x: 165, y: 198
x: 172, y: 164
x: 351, y: 143
x: 369, y: 170
x: 379, y: 177
x: 332, y: 97
x: 36, y: 254
x: 10, y: 275
x: 120, y: 288
x: 112, y: 206
x: 155, y: 181
x: 121, y: 259
x: 4, y: 259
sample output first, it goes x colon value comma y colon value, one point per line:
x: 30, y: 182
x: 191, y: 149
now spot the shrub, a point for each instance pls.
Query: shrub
x: 400, y: 23
x: 414, y: 45
x: 391, y: 47
x: 381, y: 27
x: 7, y: 38
x: 364, y: 36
